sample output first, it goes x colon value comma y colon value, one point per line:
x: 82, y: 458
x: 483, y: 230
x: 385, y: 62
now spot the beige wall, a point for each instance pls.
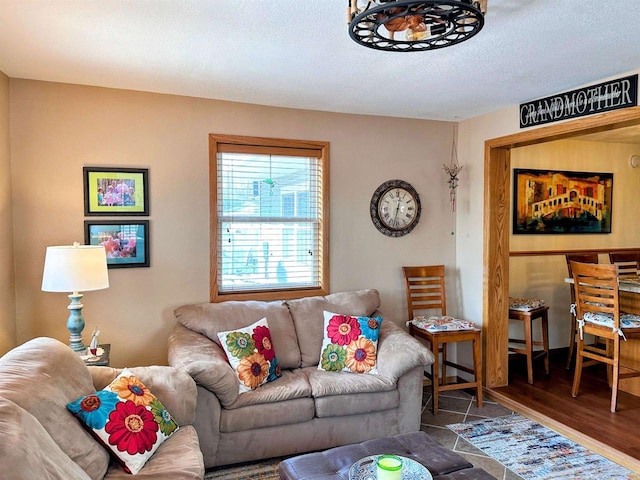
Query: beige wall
x: 472, y: 135
x: 59, y: 128
x: 7, y: 280
x: 543, y: 277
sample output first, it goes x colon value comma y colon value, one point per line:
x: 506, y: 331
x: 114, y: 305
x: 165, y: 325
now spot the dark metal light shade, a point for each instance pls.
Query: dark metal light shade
x: 411, y: 25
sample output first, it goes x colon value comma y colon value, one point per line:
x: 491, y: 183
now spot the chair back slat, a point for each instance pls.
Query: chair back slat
x: 596, y: 289
x: 425, y: 289
x: 582, y: 258
x: 628, y: 263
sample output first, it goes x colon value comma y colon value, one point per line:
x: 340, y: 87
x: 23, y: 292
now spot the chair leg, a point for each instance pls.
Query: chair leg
x: 435, y: 372
x: 477, y: 368
x: 578, y: 372
x: 610, y: 354
x: 545, y: 340
x: 572, y: 341
x: 615, y: 375
x: 443, y: 378
x: 529, y: 347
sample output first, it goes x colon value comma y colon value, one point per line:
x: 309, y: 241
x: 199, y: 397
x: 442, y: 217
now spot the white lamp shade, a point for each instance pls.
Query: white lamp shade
x: 75, y: 268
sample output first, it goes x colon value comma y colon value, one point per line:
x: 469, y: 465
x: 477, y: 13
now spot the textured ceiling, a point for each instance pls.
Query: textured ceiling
x: 297, y: 53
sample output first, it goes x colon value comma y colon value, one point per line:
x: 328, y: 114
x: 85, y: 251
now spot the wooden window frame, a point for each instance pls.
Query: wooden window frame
x: 274, y: 146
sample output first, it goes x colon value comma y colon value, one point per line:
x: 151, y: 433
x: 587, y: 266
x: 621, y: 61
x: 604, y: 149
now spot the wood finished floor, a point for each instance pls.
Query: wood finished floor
x: 588, y: 413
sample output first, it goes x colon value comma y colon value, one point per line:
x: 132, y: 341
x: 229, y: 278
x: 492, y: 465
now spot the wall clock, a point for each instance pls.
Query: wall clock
x: 395, y: 208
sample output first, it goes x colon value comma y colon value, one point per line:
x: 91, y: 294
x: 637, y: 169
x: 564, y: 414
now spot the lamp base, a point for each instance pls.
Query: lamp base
x: 75, y: 323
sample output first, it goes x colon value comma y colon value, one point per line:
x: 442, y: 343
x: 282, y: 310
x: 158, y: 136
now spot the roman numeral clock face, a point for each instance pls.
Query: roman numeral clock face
x: 395, y: 208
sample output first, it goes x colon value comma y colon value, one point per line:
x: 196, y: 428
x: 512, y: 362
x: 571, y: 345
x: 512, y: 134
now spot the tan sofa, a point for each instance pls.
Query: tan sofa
x: 306, y: 409
x: 40, y: 438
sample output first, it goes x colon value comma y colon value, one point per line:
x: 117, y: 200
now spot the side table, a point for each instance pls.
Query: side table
x: 103, y: 358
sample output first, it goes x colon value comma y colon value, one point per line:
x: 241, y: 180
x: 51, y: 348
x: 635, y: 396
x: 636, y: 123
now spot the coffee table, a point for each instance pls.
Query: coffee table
x: 365, y: 469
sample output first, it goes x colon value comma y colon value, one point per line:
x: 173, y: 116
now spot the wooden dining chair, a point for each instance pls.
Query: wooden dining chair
x: 598, y: 313
x: 582, y: 258
x: 628, y: 263
x: 425, y: 292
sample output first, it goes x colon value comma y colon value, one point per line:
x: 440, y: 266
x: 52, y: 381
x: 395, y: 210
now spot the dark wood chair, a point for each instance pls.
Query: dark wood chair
x: 598, y: 312
x: 582, y: 258
x: 628, y: 263
x: 425, y: 291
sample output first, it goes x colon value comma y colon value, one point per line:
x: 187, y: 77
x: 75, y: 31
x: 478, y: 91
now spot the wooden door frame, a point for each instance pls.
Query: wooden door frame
x: 497, y: 200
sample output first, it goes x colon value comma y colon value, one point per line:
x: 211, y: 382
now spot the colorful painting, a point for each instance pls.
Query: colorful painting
x: 557, y: 202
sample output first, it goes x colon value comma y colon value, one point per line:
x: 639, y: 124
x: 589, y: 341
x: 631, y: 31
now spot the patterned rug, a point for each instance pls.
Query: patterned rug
x: 535, y: 452
x: 264, y: 470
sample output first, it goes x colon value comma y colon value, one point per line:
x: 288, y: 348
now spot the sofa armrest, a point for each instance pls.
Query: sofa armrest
x: 205, y: 361
x: 174, y: 388
x: 399, y: 352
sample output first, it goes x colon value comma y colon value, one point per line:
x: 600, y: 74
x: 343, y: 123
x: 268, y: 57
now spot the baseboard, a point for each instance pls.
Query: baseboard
x: 600, y: 448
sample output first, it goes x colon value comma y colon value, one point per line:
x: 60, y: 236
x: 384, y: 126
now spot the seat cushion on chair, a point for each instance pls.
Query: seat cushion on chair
x: 437, y: 323
x: 627, y: 320
x: 525, y: 304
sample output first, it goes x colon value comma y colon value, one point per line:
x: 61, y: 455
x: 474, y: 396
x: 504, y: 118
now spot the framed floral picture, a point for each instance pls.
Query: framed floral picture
x: 116, y: 191
x: 558, y: 201
x: 126, y: 242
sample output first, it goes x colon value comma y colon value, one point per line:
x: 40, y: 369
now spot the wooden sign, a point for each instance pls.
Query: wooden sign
x: 611, y: 95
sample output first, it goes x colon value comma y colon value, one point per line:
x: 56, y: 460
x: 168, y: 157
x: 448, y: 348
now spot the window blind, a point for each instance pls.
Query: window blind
x: 269, y: 214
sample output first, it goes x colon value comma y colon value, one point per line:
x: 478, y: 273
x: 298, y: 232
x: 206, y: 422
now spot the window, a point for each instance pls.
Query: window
x: 269, y: 218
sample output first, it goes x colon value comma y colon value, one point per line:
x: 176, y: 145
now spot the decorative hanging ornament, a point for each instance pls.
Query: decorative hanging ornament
x: 453, y: 169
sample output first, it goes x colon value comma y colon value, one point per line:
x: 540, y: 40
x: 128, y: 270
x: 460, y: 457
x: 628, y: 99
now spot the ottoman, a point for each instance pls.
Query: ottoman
x: 334, y: 464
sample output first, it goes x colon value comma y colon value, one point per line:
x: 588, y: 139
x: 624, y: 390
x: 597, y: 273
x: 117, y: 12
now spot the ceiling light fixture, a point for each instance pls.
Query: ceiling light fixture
x: 412, y: 25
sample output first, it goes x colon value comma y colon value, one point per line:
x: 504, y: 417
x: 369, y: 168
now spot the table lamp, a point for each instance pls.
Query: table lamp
x: 75, y: 268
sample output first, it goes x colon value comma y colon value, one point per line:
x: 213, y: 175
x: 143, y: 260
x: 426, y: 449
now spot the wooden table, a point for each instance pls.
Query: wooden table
x: 630, y: 349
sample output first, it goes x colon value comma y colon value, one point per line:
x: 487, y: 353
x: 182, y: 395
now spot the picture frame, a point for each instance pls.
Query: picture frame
x: 126, y: 242
x: 115, y: 191
x: 561, y: 202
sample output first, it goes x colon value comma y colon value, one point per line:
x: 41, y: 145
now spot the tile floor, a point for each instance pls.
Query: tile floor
x: 458, y: 406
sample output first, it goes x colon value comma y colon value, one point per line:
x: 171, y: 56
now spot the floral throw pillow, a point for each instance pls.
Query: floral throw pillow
x: 251, y: 355
x: 127, y: 418
x: 349, y: 344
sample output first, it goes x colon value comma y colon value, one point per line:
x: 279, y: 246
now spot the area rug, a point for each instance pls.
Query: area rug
x: 535, y: 452
x: 264, y: 470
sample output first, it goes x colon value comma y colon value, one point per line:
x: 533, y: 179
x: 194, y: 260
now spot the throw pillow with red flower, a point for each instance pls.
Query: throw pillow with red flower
x: 127, y: 418
x: 350, y: 343
x: 250, y: 353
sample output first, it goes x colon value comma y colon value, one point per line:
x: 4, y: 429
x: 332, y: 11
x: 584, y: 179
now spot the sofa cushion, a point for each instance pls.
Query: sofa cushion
x: 286, y: 412
x: 356, y: 404
x: 211, y: 318
x: 251, y: 354
x: 128, y: 418
x: 28, y: 452
x: 293, y: 384
x: 307, y: 314
x: 284, y: 402
x: 324, y: 384
x: 42, y: 376
x: 349, y: 343
x: 179, y: 458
